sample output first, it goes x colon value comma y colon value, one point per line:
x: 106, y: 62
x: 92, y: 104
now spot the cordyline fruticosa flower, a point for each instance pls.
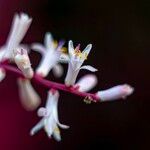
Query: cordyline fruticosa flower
x: 53, y: 54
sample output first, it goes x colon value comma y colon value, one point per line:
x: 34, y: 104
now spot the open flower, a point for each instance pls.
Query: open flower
x: 76, y: 59
x: 29, y: 98
x: 51, y: 55
x: 114, y: 93
x: 23, y: 62
x: 18, y: 30
x: 50, y: 121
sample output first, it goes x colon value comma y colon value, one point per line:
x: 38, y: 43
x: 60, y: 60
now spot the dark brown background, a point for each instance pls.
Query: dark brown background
x: 119, y: 32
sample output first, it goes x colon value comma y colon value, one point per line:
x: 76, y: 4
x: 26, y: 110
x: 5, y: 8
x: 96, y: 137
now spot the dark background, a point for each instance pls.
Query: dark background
x: 119, y: 32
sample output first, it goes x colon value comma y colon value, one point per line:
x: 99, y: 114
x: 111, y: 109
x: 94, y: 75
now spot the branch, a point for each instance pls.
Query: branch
x: 51, y: 84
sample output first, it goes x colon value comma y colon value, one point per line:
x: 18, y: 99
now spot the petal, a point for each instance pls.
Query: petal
x: 49, y: 60
x: 28, y: 96
x: 90, y: 68
x: 117, y: 92
x: 19, y: 28
x: 48, y: 40
x: 58, y: 70
x: 38, y: 48
x: 70, y: 48
x: 87, y: 49
x: 49, y: 126
x: 37, y: 127
x: 86, y: 83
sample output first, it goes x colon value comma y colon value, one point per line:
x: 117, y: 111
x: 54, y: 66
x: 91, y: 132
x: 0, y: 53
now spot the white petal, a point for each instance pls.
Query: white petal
x: 37, y: 127
x: 2, y: 74
x: 87, y: 49
x: 86, y: 83
x: 72, y: 74
x: 38, y: 48
x: 19, y: 28
x: 117, y: 92
x: 49, y: 126
x: 90, y: 68
x: 48, y: 40
x: 28, y: 96
x: 70, y: 48
x: 58, y: 70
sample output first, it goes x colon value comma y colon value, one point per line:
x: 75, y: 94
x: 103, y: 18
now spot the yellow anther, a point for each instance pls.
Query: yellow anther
x: 56, y: 129
x: 55, y: 43
x: 64, y: 50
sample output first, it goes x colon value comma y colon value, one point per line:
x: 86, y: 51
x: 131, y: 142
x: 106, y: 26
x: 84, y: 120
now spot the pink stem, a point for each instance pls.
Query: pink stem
x: 51, y: 84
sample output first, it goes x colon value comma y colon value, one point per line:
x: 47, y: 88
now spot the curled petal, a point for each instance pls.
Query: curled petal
x: 90, y: 68
x: 38, y: 48
x: 29, y: 97
x: 86, y: 83
x: 117, y: 92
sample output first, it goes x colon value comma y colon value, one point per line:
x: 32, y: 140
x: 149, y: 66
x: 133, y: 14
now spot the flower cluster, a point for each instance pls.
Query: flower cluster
x: 53, y: 55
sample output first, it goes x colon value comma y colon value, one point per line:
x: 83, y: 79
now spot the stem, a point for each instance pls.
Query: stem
x: 51, y: 84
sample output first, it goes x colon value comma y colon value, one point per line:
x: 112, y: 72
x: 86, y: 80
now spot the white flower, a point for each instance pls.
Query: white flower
x: 28, y: 96
x: 51, y: 54
x: 23, y: 62
x: 50, y: 121
x: 114, y: 93
x: 86, y: 83
x: 18, y: 30
x: 76, y: 59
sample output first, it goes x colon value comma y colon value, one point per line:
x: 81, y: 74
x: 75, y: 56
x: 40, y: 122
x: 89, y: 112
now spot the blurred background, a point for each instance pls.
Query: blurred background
x: 120, y: 33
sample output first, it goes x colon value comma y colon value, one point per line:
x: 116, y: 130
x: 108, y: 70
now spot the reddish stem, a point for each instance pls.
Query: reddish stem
x: 51, y: 84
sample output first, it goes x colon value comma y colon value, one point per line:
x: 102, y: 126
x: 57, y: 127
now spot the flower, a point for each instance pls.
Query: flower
x: 20, y: 25
x: 28, y: 96
x: 76, y: 59
x: 23, y: 62
x: 51, y: 55
x: 114, y: 93
x: 18, y: 30
x: 50, y: 121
